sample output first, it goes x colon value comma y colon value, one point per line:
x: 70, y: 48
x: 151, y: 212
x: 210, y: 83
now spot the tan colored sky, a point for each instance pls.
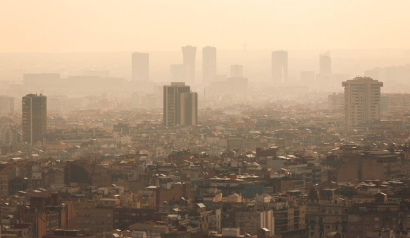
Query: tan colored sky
x: 146, y: 25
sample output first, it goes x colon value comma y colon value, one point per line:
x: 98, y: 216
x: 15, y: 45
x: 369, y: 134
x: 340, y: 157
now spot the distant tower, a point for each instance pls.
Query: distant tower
x: 180, y: 105
x: 189, y: 54
x: 280, y: 66
x: 362, y: 101
x: 140, y: 66
x: 325, y: 64
x: 236, y: 71
x: 34, y: 115
x: 208, y: 64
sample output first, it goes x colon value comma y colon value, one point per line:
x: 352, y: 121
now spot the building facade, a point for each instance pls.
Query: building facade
x: 34, y: 108
x: 362, y: 101
x: 180, y: 105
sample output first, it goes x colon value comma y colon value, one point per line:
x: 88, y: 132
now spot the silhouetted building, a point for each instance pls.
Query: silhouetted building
x: 140, y: 66
x: 325, y: 64
x: 34, y: 108
x: 280, y: 66
x: 189, y: 54
x: 362, y: 100
x: 208, y: 64
x: 180, y: 105
x: 236, y: 71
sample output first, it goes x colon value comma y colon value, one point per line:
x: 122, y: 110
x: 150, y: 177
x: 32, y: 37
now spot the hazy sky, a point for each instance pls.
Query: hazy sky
x: 128, y: 25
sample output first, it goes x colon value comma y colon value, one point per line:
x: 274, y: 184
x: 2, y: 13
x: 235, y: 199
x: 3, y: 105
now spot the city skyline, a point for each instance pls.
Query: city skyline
x: 205, y: 119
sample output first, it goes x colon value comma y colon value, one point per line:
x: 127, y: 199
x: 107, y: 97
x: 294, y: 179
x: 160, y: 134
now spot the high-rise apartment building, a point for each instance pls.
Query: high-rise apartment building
x: 189, y: 54
x: 236, y: 71
x: 279, y: 66
x: 325, y: 62
x: 180, y: 105
x: 362, y: 101
x: 34, y: 108
x: 140, y: 66
x: 189, y: 108
x: 208, y: 64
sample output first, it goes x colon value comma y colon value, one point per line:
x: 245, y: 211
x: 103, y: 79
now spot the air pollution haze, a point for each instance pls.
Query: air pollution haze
x: 204, y: 119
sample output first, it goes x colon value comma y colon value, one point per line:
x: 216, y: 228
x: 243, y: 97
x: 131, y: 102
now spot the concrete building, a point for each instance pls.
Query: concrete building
x: 362, y: 101
x: 336, y: 102
x: 395, y: 102
x: 140, y: 66
x: 236, y: 71
x: 189, y: 54
x: 189, y: 108
x: 93, y: 218
x: 249, y: 221
x: 180, y: 105
x: 208, y: 64
x: 34, y: 117
x: 279, y: 66
x: 326, y: 213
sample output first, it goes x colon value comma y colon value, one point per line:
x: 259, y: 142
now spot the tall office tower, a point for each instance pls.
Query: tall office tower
x: 189, y: 54
x: 140, y: 66
x: 34, y: 108
x: 280, y: 66
x: 236, y: 71
x: 325, y: 64
x: 172, y: 103
x: 208, y: 64
x: 6, y: 105
x: 189, y: 109
x: 180, y: 73
x: 362, y: 101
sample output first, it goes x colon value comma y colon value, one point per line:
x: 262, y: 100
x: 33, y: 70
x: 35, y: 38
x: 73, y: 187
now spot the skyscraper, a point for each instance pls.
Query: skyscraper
x: 208, y: 64
x: 173, y: 111
x: 189, y: 108
x: 325, y: 64
x: 362, y: 101
x: 34, y: 110
x: 189, y: 54
x: 279, y: 66
x: 236, y: 71
x: 140, y: 66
